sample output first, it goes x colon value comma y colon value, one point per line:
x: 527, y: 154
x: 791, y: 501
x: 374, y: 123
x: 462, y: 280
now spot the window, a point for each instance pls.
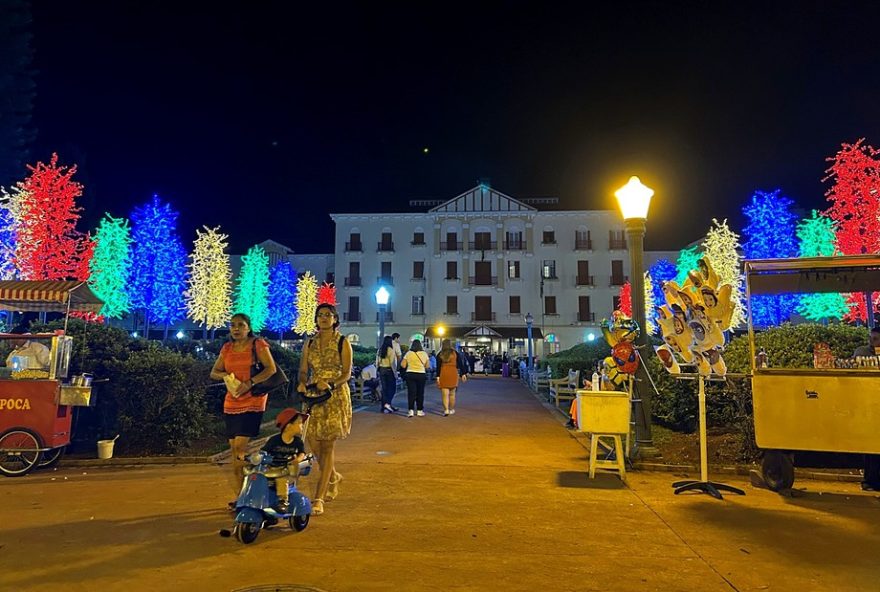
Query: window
x: 616, y: 240
x: 584, y: 315
x: 354, y: 274
x: 615, y: 303
x: 483, y: 309
x: 483, y: 274
x: 582, y: 240
x: 387, y: 244
x: 418, y: 270
x: 617, y: 277
x: 514, y: 241
x: 451, y: 242
x: 418, y: 306
x: 451, y: 270
x: 583, y: 276
x: 418, y: 238
x: 452, y: 305
x: 482, y: 241
x: 513, y: 270
x: 330, y: 278
x: 514, y: 305
x: 548, y: 269
x: 549, y: 237
x: 386, y: 272
x: 354, y: 242
x: 354, y: 314
x: 550, y: 305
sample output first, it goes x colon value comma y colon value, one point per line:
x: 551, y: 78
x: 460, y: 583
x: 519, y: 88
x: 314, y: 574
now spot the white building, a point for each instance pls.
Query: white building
x: 470, y: 269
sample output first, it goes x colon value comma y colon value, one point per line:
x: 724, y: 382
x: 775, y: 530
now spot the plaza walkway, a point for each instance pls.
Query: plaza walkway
x: 495, y: 497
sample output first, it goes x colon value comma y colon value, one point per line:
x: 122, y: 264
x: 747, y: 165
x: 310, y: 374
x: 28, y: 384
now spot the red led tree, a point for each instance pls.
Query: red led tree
x: 327, y: 294
x: 855, y: 207
x: 626, y: 302
x: 49, y: 246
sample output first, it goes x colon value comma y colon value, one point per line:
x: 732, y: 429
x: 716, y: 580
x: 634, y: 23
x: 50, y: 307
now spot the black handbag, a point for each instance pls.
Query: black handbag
x: 276, y: 381
x: 313, y: 396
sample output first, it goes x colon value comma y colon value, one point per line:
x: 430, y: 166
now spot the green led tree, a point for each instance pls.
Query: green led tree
x: 209, y: 297
x: 111, y: 266
x: 252, y: 293
x: 687, y: 260
x: 816, y: 238
x: 722, y: 247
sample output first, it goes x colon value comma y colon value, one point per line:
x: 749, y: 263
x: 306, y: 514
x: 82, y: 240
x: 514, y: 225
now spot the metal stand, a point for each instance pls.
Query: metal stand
x: 704, y: 485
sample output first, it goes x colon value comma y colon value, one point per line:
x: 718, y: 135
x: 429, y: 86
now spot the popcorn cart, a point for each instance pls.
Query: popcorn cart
x: 833, y: 406
x: 36, y: 404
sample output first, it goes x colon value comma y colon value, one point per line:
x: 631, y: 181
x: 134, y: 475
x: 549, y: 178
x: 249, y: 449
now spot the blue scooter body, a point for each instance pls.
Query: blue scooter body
x: 257, y: 500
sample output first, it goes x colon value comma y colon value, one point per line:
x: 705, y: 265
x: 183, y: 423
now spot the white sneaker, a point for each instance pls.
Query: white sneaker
x: 420, y: 413
x: 452, y: 412
x: 410, y: 413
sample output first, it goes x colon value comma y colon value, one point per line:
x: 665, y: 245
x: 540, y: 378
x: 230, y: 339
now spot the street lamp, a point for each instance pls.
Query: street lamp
x: 382, y: 296
x: 634, y: 199
x: 529, y: 320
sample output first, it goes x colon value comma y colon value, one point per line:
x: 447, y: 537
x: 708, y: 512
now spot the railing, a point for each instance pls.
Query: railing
x: 519, y: 245
x: 548, y: 242
x: 420, y: 243
x: 417, y: 279
x: 353, y: 247
x: 476, y: 280
x: 352, y: 317
x: 619, y: 280
x: 353, y: 281
x: 584, y: 280
x: 617, y: 244
x: 385, y: 280
x: 452, y: 279
x: 583, y: 244
x: 418, y: 313
x: 490, y: 316
x: 586, y: 317
x: 389, y: 316
x: 453, y: 246
x: 550, y: 276
x: 385, y: 247
x: 483, y: 245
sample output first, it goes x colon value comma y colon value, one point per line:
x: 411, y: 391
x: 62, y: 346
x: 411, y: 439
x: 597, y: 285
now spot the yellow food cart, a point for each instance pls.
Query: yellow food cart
x: 831, y: 407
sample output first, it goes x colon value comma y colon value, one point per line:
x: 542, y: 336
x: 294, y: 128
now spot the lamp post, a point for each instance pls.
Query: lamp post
x: 634, y: 199
x: 529, y: 320
x: 382, y: 296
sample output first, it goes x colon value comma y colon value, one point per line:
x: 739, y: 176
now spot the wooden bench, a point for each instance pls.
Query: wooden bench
x: 564, y: 390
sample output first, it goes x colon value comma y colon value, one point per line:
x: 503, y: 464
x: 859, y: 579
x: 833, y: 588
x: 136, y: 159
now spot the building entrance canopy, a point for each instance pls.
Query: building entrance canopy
x: 483, y: 331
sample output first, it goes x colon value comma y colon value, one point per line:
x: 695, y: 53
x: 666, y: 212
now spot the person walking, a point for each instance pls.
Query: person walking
x: 386, y: 360
x: 452, y: 366
x: 326, y: 360
x: 416, y: 362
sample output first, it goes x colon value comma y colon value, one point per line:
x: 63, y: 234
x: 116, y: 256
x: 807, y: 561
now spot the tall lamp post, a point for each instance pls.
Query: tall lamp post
x: 529, y: 320
x: 382, y: 296
x: 634, y: 199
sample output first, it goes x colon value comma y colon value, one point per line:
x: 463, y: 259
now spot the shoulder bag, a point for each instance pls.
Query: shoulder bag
x: 276, y: 381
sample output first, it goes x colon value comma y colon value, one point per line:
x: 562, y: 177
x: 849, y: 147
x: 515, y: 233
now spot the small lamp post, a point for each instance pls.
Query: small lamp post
x: 382, y: 296
x: 634, y: 199
x: 529, y: 320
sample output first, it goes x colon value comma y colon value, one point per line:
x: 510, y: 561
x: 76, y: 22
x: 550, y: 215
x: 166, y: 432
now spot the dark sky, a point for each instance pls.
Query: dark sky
x: 263, y: 117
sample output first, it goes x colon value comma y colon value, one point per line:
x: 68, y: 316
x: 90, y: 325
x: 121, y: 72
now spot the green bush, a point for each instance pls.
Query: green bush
x: 583, y: 357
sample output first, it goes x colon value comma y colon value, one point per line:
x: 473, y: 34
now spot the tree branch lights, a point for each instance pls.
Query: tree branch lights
x: 282, y: 298
x: 306, y: 303
x: 722, y: 248
x: 626, y: 305
x: 7, y: 242
x: 327, y: 294
x: 687, y: 260
x: 770, y: 234
x: 111, y: 266
x: 816, y: 236
x: 48, y: 245
x: 661, y: 272
x: 209, y: 296
x: 252, y: 294
x: 625, y: 301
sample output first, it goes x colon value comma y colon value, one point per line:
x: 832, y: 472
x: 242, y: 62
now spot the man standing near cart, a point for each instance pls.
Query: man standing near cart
x: 872, y: 461
x: 36, y: 354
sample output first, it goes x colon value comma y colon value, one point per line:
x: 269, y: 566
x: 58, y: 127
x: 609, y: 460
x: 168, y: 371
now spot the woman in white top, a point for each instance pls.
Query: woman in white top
x: 416, y: 363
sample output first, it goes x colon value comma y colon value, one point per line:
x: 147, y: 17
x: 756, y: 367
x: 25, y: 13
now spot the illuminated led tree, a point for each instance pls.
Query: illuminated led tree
x: 158, y: 264
x: 306, y: 303
x: 816, y: 236
x: 7, y: 242
x: 282, y: 298
x: 626, y: 305
x: 855, y: 207
x: 770, y: 234
x: 252, y: 293
x: 662, y: 271
x: 209, y: 296
x: 687, y: 261
x: 48, y: 245
x: 625, y: 301
x: 722, y: 248
x: 327, y: 294
x: 111, y: 266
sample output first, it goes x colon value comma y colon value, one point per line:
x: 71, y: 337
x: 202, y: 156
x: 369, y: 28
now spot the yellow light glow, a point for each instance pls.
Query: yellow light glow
x: 441, y: 330
x: 634, y: 199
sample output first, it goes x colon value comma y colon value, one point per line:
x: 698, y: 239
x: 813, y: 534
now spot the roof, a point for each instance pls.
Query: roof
x: 485, y: 331
x: 482, y: 198
x: 48, y: 296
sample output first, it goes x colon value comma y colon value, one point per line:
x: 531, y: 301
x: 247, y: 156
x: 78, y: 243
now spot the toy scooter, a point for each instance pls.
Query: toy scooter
x: 255, y: 507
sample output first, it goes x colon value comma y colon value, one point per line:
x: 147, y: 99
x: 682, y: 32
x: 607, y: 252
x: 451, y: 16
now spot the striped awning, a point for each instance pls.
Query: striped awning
x: 48, y: 296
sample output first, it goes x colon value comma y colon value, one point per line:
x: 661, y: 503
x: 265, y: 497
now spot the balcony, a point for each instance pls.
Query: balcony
x: 353, y: 281
x: 586, y: 317
x: 617, y: 244
x: 389, y: 316
x: 420, y: 243
x: 476, y: 280
x: 482, y: 317
x: 352, y: 317
x: 584, y: 244
x: 483, y: 245
x: 354, y: 247
x: 387, y: 281
x: 417, y: 279
x: 519, y: 245
x: 550, y: 276
x: 418, y: 313
x: 619, y: 280
x: 451, y: 246
x: 584, y: 280
x: 385, y: 247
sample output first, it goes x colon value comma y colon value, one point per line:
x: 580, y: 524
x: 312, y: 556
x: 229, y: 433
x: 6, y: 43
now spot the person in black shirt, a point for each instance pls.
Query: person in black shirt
x: 287, y: 450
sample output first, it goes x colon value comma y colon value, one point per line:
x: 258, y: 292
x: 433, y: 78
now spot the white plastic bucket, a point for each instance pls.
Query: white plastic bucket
x: 105, y: 449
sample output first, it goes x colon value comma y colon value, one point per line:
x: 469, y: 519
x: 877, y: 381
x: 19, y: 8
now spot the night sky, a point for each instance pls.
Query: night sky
x: 264, y: 117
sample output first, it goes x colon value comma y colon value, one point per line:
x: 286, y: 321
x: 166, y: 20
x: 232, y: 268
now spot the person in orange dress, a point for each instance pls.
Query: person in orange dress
x: 451, y: 366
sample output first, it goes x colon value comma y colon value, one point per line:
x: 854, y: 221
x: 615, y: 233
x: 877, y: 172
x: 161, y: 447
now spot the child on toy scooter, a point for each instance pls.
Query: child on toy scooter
x: 287, y: 450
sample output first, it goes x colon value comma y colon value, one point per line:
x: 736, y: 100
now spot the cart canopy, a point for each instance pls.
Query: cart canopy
x: 811, y: 275
x: 48, y: 296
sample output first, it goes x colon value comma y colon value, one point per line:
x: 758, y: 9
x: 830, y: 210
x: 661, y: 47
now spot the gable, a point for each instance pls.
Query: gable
x: 482, y: 198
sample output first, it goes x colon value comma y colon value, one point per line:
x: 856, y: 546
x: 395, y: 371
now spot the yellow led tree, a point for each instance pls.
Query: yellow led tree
x: 209, y: 296
x: 306, y: 303
x: 722, y: 247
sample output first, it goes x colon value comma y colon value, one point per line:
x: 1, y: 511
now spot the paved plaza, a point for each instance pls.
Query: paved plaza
x: 495, y: 497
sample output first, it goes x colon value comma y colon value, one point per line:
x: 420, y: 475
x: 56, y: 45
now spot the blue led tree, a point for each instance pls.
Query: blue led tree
x: 282, y: 298
x: 158, y: 271
x: 7, y: 243
x: 770, y: 234
x: 662, y: 271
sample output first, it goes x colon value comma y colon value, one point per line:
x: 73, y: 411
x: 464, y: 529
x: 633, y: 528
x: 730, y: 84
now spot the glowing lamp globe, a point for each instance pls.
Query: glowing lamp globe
x: 382, y: 296
x: 634, y: 199
x: 441, y: 330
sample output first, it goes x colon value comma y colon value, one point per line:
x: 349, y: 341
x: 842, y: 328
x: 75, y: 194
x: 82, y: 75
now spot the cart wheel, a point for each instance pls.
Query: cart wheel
x: 777, y: 469
x: 298, y: 523
x: 27, y: 452
x: 247, y: 532
x: 50, y: 458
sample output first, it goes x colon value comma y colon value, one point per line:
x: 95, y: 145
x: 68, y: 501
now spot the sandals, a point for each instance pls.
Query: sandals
x: 317, y: 507
x: 333, y: 489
